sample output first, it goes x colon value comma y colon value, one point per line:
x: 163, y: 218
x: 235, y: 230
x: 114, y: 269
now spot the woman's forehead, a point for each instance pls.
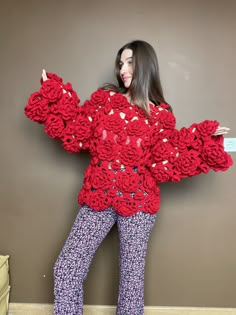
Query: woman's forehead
x: 126, y: 54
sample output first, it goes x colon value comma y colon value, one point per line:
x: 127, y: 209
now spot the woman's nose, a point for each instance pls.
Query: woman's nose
x: 123, y: 69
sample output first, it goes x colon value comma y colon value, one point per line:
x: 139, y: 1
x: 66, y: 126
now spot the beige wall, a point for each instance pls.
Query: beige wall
x: 191, y: 259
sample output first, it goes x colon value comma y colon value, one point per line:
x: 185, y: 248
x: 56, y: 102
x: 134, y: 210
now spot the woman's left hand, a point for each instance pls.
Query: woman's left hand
x: 221, y: 131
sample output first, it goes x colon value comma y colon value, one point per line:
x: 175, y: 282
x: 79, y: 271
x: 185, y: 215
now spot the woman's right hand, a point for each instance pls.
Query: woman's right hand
x: 44, y: 75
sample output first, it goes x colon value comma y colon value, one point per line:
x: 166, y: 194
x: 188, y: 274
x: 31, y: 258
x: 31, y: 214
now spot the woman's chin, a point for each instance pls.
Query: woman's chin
x: 127, y: 85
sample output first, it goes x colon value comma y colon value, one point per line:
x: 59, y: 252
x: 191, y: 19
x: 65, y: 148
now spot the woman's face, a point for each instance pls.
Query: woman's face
x: 126, y: 67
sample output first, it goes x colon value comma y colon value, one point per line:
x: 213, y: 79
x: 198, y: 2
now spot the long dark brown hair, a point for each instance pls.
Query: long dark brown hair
x: 146, y: 83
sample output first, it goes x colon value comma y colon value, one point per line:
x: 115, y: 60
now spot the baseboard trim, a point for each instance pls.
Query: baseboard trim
x: 47, y: 309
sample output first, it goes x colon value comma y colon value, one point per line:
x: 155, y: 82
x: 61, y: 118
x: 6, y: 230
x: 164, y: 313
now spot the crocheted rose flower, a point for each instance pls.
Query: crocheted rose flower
x: 65, y: 108
x: 98, y: 132
x: 106, y: 150
x: 107, y: 108
x: 97, y: 200
x: 130, y: 155
x: 161, y: 151
x: 167, y: 119
x: 82, y: 128
x: 154, y: 130
x: 121, y: 137
x: 147, y: 158
x: 70, y: 144
x: 203, y: 167
x: 128, y: 181
x: 51, y: 90
x: 152, y: 204
x: 197, y: 143
x: 136, y: 128
x: 206, y: 128
x: 37, y: 108
x: 148, y: 181
x: 77, y: 138
x: 162, y: 173
x: 118, y: 101
x: 86, y: 109
x: 139, y: 196
x: 35, y: 99
x: 72, y: 100
x: 54, y: 126
x: 98, y: 98
x: 157, y: 134
x: 68, y: 87
x: 73, y: 95
x: 114, y: 123
x: 182, y: 139
x: 130, y: 113
x: 187, y: 163
x: 141, y: 113
x: 214, y: 155
x: 101, y: 178
x: 111, y: 193
x: 125, y: 207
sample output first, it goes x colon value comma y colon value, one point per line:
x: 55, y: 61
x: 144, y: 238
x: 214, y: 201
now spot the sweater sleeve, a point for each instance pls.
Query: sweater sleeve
x: 177, y: 154
x: 56, y: 105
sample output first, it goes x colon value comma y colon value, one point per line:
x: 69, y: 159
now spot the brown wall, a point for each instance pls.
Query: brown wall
x: 191, y: 259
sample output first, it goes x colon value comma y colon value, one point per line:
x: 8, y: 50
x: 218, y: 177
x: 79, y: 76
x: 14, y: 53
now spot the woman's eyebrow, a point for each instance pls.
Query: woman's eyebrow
x: 126, y: 59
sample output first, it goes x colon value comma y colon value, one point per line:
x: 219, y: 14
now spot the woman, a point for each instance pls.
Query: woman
x: 130, y: 132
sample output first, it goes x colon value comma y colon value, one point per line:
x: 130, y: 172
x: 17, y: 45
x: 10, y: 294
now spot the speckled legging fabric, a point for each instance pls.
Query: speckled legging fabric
x: 72, y: 265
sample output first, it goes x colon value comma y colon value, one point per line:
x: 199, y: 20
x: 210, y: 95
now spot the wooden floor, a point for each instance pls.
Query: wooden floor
x: 47, y: 309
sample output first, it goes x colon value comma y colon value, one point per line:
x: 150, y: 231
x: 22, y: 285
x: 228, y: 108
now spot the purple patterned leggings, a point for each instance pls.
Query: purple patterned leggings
x: 72, y: 265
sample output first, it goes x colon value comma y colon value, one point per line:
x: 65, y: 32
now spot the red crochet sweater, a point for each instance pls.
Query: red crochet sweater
x: 130, y: 153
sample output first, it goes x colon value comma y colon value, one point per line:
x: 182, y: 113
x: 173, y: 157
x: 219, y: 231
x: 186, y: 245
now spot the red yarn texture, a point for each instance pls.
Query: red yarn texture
x: 130, y: 153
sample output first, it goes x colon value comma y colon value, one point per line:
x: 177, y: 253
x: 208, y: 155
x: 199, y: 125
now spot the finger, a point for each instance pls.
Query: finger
x: 223, y: 128
x: 220, y: 133
x: 44, y: 75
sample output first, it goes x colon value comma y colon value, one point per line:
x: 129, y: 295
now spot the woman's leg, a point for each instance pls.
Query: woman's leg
x: 72, y: 265
x: 134, y: 233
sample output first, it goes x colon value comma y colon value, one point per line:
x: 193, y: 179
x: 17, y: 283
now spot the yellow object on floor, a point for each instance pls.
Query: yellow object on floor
x: 4, y: 284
